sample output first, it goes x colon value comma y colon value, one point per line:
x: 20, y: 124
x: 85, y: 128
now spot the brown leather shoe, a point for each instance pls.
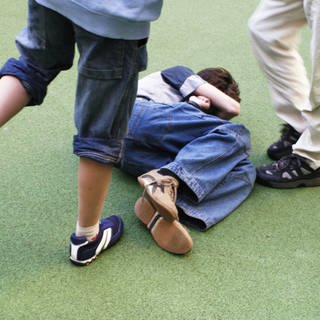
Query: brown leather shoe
x: 161, y: 192
x: 169, y: 235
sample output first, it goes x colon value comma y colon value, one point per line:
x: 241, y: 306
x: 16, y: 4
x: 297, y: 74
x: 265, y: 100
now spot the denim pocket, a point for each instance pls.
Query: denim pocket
x: 100, y: 58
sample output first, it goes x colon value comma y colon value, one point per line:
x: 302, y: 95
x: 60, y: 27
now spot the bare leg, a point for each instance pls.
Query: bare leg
x: 93, y: 181
x: 13, y: 97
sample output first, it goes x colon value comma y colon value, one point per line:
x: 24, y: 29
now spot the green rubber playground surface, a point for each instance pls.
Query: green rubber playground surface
x: 260, y: 263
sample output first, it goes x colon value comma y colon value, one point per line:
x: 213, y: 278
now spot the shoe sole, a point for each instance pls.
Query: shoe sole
x: 144, y: 210
x: 82, y: 264
x: 169, y: 235
x: 292, y: 184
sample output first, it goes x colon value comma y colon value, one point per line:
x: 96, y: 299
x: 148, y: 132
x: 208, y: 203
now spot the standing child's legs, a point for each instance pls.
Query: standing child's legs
x: 93, y: 183
x: 93, y: 235
x: 107, y: 82
x: 274, y: 28
x: 47, y: 50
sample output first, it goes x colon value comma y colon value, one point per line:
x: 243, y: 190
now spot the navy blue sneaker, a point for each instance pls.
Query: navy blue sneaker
x: 289, y: 172
x: 82, y: 251
x: 283, y: 147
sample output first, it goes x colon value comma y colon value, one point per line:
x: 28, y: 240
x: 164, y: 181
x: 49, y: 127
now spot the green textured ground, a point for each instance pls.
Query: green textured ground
x: 262, y: 262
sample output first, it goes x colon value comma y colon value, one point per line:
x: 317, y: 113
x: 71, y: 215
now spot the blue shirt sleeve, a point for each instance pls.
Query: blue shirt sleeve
x: 182, y: 79
x: 176, y: 76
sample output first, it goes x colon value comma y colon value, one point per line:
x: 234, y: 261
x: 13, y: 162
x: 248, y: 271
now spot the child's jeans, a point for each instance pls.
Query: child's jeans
x: 107, y: 77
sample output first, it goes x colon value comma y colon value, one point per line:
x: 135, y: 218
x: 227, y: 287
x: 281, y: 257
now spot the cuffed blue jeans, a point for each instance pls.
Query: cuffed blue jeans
x: 107, y: 77
x: 209, y: 156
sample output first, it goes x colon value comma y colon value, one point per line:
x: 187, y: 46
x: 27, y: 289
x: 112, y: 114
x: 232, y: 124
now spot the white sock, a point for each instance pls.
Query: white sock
x: 88, y: 232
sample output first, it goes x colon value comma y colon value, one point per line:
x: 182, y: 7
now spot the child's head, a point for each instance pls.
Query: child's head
x: 221, y: 79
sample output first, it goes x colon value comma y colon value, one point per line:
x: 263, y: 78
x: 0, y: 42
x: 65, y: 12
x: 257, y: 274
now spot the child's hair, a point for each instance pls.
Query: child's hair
x: 221, y: 79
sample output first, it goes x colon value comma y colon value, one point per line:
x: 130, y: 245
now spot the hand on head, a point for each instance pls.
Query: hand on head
x: 203, y: 102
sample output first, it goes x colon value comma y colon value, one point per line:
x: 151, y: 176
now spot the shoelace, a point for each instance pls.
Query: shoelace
x: 170, y: 183
x: 288, y: 161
